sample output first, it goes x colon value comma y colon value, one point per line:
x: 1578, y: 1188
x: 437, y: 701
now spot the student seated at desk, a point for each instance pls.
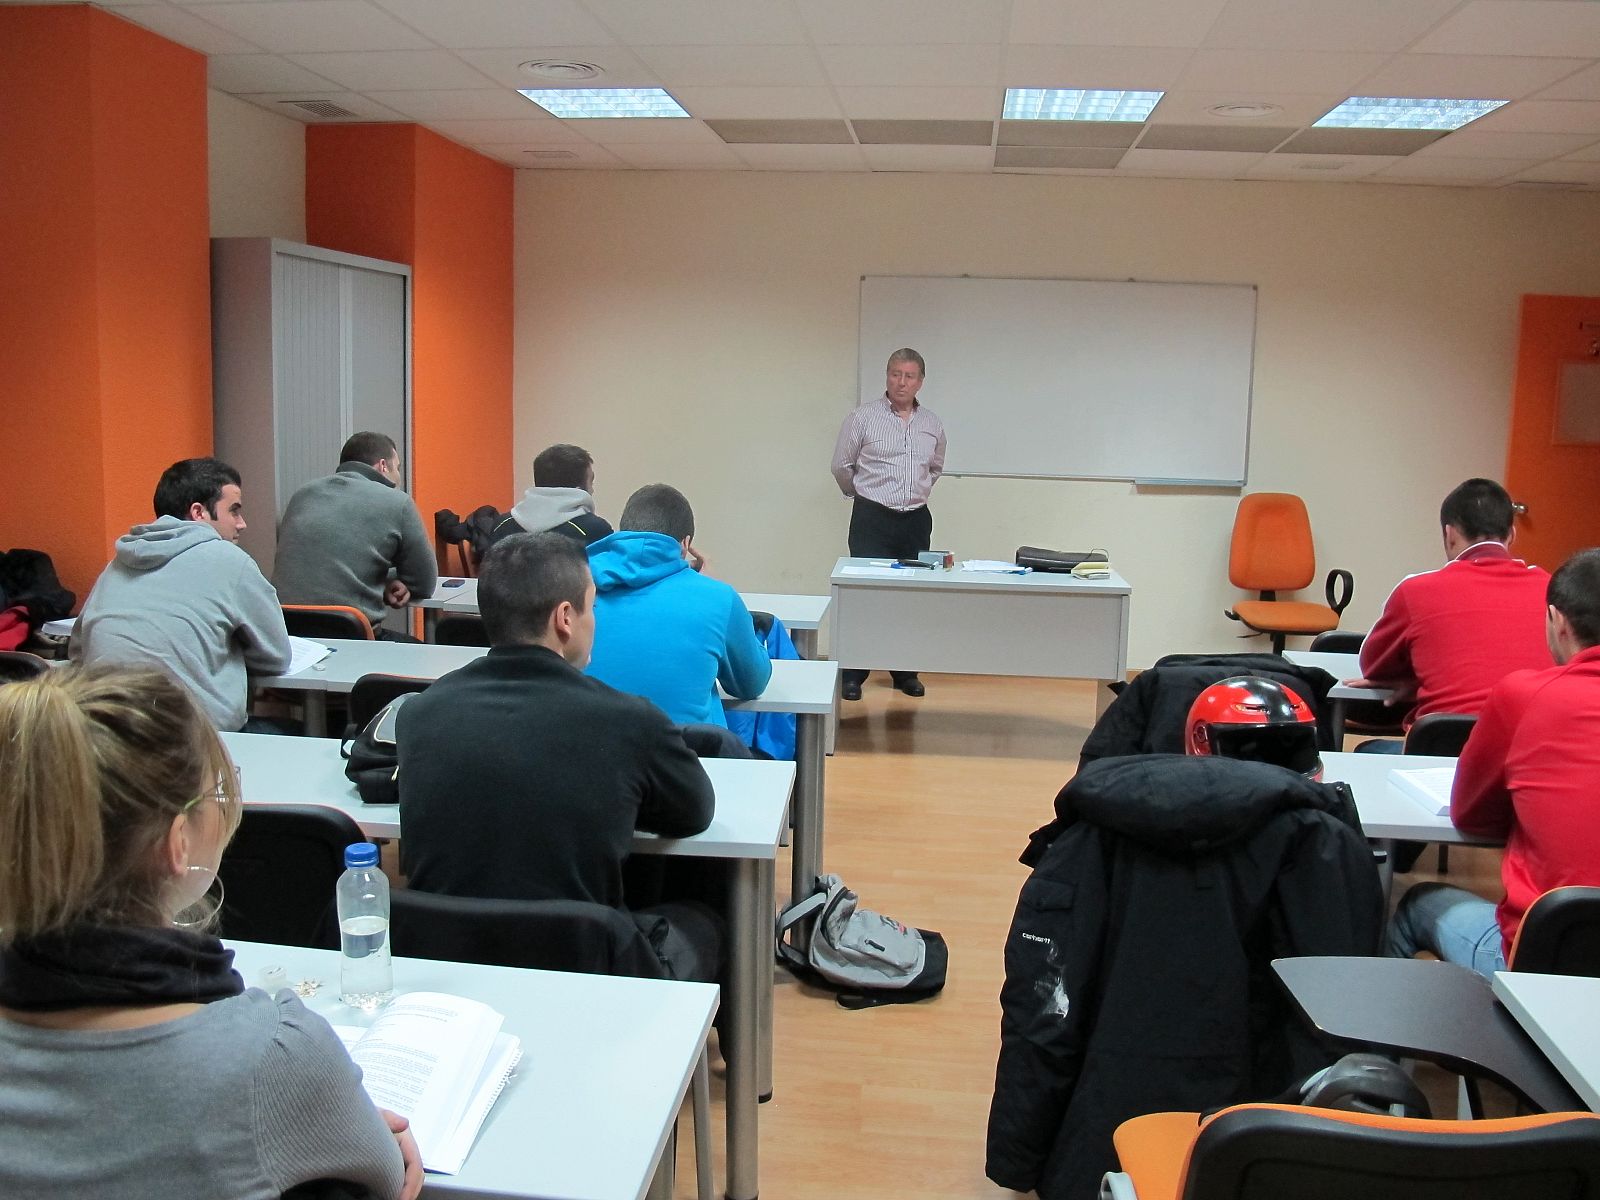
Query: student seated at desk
x: 136, y: 1063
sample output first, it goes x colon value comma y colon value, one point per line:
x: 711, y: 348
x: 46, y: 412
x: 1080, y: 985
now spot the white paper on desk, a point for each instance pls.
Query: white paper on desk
x: 993, y: 565
x: 1428, y: 786
x: 887, y: 571
x: 303, y: 653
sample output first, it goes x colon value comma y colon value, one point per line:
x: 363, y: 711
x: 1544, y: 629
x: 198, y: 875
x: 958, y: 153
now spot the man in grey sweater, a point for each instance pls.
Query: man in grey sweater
x: 355, y: 538
x: 182, y: 597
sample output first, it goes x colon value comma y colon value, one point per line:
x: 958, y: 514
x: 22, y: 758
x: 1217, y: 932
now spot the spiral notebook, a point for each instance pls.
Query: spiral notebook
x: 441, y: 1062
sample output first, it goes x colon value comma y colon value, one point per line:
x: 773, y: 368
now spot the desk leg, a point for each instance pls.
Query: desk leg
x: 1336, y: 719
x: 805, y: 641
x: 1386, y: 869
x: 767, y: 961
x: 810, y: 764
x: 746, y: 962
x: 316, y: 713
x: 430, y: 625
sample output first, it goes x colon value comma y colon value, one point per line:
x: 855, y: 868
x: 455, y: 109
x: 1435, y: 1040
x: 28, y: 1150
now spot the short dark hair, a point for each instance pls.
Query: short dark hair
x: 907, y: 355
x: 1574, y: 592
x: 1480, y: 509
x: 367, y: 447
x: 658, y: 508
x: 562, y: 465
x: 192, y: 481
x: 523, y: 579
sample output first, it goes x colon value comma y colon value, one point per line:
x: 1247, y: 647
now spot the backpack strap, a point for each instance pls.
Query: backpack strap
x: 792, y: 916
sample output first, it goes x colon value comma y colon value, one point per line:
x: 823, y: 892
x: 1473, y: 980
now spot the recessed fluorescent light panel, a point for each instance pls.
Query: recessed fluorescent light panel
x: 1077, y: 104
x: 1388, y: 112
x: 605, y: 102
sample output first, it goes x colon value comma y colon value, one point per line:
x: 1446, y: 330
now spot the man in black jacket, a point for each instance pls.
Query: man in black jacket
x: 523, y: 779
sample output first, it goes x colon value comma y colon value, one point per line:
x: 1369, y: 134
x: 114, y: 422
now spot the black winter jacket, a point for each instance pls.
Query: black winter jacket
x: 1138, y: 973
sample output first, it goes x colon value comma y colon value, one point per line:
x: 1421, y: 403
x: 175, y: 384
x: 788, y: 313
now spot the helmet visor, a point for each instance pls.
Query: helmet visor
x: 1292, y: 746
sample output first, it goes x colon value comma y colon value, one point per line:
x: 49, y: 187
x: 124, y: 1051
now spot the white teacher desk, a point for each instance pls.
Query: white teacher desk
x: 605, y: 1065
x: 980, y: 623
x: 752, y: 798
x: 1557, y: 1012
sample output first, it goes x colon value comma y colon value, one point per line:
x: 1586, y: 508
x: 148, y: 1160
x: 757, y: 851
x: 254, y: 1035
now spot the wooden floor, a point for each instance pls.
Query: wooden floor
x: 929, y: 803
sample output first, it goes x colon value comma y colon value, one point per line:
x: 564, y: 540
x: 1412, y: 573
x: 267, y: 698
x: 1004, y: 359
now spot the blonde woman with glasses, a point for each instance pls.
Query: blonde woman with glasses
x: 135, y: 1062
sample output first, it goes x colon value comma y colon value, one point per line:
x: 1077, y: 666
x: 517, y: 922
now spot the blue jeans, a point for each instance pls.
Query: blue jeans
x: 1381, y: 746
x: 1456, y: 925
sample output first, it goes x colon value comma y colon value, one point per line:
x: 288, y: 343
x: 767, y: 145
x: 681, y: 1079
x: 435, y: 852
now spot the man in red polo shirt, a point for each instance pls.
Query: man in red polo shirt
x: 1446, y: 637
x: 1529, y: 776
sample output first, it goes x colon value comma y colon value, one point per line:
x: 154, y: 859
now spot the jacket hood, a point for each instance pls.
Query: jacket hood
x: 1188, y: 805
x: 146, y: 547
x: 633, y: 558
x: 544, y: 508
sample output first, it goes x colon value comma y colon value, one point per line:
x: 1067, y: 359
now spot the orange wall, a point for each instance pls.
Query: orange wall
x: 403, y: 193
x: 105, y: 325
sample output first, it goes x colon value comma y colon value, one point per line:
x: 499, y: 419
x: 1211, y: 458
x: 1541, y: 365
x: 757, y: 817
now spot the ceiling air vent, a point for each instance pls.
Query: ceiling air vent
x: 326, y: 109
x: 549, y: 154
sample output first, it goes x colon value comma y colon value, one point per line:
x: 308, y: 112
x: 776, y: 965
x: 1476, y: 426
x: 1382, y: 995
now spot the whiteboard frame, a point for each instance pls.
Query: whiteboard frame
x: 1136, y: 480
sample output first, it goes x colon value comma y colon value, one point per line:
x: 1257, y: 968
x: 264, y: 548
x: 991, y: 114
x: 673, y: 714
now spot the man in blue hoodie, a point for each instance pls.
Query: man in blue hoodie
x: 662, y: 629
x: 181, y: 596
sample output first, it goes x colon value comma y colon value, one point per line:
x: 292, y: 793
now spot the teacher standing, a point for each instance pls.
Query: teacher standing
x: 889, y: 454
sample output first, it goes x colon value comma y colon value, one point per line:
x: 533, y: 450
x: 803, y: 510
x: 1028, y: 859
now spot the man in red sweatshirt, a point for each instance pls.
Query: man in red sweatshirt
x: 1447, y: 636
x: 1529, y: 776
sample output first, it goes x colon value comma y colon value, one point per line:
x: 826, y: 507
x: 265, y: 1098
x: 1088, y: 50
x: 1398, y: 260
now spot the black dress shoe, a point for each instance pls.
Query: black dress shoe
x: 912, y: 687
x: 850, y: 690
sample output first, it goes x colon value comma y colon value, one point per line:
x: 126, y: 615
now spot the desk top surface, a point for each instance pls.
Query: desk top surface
x: 876, y: 573
x: 796, y: 612
x: 1341, y: 667
x: 1386, y: 811
x: 605, y: 1064
x: 1558, y: 1013
x: 751, y: 795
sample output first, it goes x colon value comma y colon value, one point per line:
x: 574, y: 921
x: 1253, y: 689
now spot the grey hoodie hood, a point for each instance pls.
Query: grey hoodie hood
x: 146, y: 547
x: 544, y: 508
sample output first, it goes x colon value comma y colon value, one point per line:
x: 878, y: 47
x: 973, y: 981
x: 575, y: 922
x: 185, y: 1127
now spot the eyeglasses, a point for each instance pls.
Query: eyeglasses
x: 218, y: 793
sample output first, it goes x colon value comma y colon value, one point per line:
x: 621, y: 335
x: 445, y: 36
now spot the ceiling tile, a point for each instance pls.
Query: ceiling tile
x: 758, y: 102
x: 460, y: 104
x: 1310, y: 168
x: 771, y: 132
x: 1123, y: 23
x: 1360, y: 141
x: 364, y: 108
x: 1564, y: 172
x: 700, y: 22
x: 1057, y: 157
x: 621, y: 68
x: 1194, y: 108
x: 670, y: 157
x: 1583, y: 85
x: 261, y: 73
x: 1485, y: 143
x: 381, y: 70
x: 1240, y: 138
x: 1187, y: 164
x: 770, y: 157
x: 886, y: 22
x: 1466, y: 76
x: 923, y: 103
x: 924, y: 133
x: 1295, y: 71
x: 928, y: 158
x: 1557, y: 28
x: 1069, y: 133
x: 480, y: 24
x: 306, y: 26
x: 1459, y: 170
x: 544, y: 131
x: 908, y: 66
x: 1135, y: 68
x: 1544, y: 116
x: 638, y: 131
x: 733, y: 66
x: 1384, y: 25
x: 185, y: 28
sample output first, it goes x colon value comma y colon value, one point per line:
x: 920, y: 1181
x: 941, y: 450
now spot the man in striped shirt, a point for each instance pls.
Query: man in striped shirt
x: 889, y: 454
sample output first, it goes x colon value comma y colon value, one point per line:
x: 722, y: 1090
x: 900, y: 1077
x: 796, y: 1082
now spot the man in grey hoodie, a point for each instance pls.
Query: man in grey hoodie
x: 181, y: 596
x: 355, y: 538
x: 561, y: 499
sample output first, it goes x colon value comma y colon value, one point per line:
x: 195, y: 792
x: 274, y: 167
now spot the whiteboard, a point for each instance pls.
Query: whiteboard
x: 1074, y: 378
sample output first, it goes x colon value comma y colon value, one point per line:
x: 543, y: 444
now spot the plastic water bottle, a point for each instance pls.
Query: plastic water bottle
x: 366, y: 971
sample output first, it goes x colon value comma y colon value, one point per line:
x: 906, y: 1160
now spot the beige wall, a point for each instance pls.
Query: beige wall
x: 258, y: 171
x: 700, y: 329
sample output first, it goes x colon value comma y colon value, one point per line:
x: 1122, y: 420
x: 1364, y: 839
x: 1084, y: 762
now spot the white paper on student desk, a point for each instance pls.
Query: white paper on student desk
x: 440, y: 1061
x: 303, y: 653
x: 1428, y: 786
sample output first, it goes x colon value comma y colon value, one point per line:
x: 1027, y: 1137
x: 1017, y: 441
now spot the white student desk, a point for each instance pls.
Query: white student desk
x: 1558, y: 1013
x: 752, y: 798
x: 353, y: 658
x: 1341, y: 667
x: 605, y: 1065
x: 980, y: 623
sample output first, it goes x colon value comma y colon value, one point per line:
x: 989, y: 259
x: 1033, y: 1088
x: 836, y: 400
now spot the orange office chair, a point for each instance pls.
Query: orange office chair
x: 327, y: 621
x: 1271, y: 552
x: 1276, y: 1151
x: 1559, y: 934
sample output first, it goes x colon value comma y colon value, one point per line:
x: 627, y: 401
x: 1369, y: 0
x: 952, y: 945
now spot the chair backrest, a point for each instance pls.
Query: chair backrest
x: 548, y: 935
x: 460, y: 629
x: 1271, y: 549
x: 1338, y: 641
x: 19, y: 664
x: 327, y: 621
x: 762, y: 621
x: 1560, y: 934
x: 713, y: 741
x: 371, y: 692
x: 278, y: 874
x: 1269, y: 1152
x: 1440, y: 733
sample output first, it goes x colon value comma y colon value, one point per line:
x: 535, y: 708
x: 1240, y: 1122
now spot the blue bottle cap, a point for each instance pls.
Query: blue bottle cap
x: 361, y: 854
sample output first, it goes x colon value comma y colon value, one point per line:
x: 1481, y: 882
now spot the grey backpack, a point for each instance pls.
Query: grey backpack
x: 868, y: 958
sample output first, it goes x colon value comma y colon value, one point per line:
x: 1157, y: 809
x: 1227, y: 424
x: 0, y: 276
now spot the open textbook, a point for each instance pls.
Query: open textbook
x: 440, y: 1061
x: 1428, y: 786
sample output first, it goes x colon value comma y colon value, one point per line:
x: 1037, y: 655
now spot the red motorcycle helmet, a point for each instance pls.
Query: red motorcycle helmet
x: 1256, y: 719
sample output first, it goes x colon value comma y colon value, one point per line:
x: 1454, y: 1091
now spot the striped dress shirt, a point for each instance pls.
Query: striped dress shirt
x: 886, y: 460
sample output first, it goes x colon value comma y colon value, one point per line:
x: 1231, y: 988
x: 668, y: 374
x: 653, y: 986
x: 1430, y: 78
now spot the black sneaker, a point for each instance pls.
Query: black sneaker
x: 850, y: 689
x: 912, y: 687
